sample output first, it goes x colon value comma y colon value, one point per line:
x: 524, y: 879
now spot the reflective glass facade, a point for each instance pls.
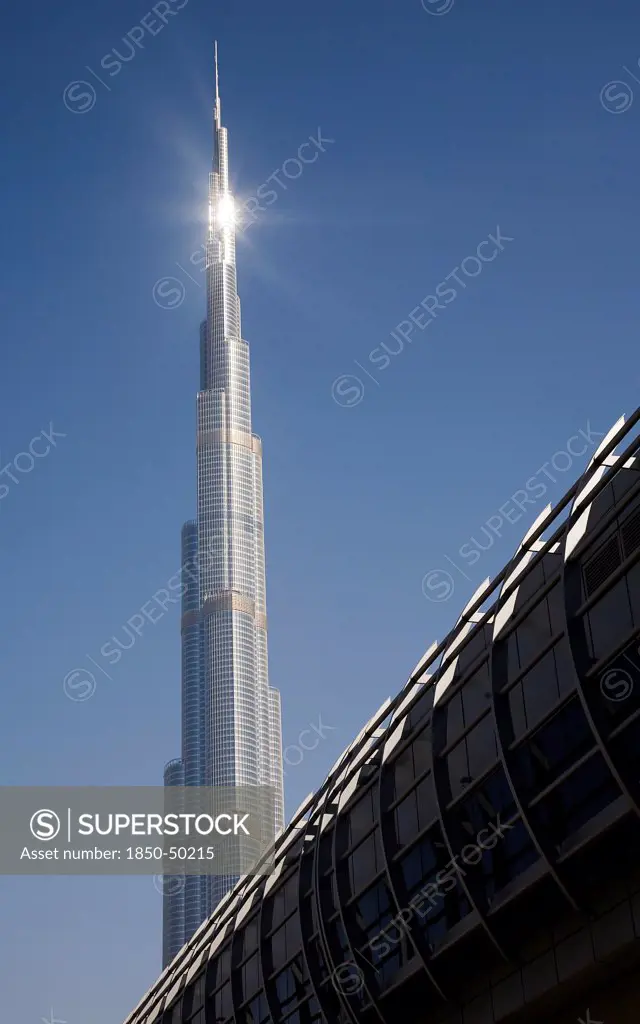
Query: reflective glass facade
x: 494, y: 800
x: 231, y: 728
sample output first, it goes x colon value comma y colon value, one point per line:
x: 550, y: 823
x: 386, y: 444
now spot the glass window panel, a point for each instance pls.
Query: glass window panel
x: 222, y: 1007
x: 361, y: 817
x: 219, y: 969
x: 559, y: 743
x: 534, y: 632
x: 540, y: 689
x: 444, y: 909
x: 193, y: 997
x: 427, y: 807
x: 458, y: 767
x: 617, y: 689
x: 455, y: 721
x: 291, y: 892
x: 422, y: 708
x: 610, y: 620
x: 621, y: 483
x: 368, y: 916
x: 555, y: 604
x: 423, y: 862
x: 306, y: 872
x: 257, y: 1012
x: 250, y: 937
x: 412, y: 868
x: 422, y: 751
x: 626, y: 746
x: 532, y: 581
x: 294, y: 937
x: 403, y: 772
x: 489, y: 802
x: 315, y: 1013
x: 250, y: 977
x: 481, y: 747
x: 476, y: 694
x: 511, y: 856
x: 386, y: 956
x: 278, y: 948
x: 364, y: 863
x: 430, y: 856
x: 366, y: 909
x: 274, y: 909
x: 476, y: 644
x: 198, y: 994
x: 406, y: 815
x: 291, y: 986
x: 499, y: 795
x: 576, y: 799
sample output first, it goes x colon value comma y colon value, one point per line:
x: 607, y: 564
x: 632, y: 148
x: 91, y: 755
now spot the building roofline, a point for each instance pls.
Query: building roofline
x: 375, y: 733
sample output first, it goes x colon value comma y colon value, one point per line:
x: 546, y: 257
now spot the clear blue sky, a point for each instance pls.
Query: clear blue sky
x: 445, y: 127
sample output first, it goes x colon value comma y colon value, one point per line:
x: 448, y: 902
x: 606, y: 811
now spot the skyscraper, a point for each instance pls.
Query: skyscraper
x: 231, y: 728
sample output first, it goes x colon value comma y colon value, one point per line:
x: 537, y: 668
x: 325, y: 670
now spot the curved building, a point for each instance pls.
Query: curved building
x: 473, y: 855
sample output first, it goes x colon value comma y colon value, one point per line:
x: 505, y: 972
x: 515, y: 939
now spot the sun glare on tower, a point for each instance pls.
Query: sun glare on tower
x: 225, y: 212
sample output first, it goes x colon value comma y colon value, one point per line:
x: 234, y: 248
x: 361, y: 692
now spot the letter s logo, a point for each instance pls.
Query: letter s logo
x: 44, y: 825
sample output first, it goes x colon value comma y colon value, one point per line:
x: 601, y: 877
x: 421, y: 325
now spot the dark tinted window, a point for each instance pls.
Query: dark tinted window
x: 193, y: 998
x: 576, y: 800
x: 257, y: 1012
x: 445, y: 902
x: 559, y: 743
x: 291, y: 986
x: 422, y: 707
x: 250, y: 977
x: 427, y: 808
x: 219, y: 969
x: 360, y: 818
x: 540, y: 689
x: 406, y: 819
x: 472, y: 756
x: 534, y: 632
x: 610, y: 620
x: 222, y: 1006
x: 512, y: 854
x: 476, y: 694
x: 422, y: 751
x: 250, y: 937
x: 403, y: 773
x: 365, y: 862
x: 477, y: 643
x: 490, y: 802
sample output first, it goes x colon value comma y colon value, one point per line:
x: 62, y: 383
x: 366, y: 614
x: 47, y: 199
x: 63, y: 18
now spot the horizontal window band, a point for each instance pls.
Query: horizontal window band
x: 226, y: 601
x: 222, y: 434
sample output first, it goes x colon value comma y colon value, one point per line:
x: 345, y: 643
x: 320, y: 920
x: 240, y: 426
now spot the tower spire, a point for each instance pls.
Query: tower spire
x: 217, y: 107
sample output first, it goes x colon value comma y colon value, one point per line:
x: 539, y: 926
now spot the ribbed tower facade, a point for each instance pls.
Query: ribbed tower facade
x: 231, y: 727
